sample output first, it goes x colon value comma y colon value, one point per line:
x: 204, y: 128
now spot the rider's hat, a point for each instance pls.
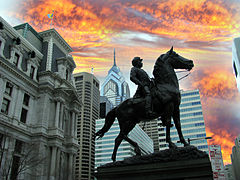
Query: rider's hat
x: 136, y: 60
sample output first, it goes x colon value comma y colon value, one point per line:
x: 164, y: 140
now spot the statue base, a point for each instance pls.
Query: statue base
x: 186, y: 163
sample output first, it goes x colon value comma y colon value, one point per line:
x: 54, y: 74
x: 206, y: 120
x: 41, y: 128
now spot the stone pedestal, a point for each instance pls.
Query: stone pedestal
x: 179, y: 164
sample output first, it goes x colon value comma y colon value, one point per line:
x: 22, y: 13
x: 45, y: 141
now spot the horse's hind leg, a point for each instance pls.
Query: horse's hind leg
x: 176, y: 119
x: 134, y: 144
x: 118, y: 141
x: 129, y: 126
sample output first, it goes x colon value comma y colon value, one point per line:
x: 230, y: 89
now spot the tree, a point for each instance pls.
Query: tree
x: 22, y: 159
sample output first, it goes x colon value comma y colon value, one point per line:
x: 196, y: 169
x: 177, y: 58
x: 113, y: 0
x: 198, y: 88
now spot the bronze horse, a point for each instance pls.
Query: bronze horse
x: 165, y: 103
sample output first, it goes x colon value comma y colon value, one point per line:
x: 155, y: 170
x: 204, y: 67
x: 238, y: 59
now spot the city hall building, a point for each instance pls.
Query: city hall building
x: 38, y: 105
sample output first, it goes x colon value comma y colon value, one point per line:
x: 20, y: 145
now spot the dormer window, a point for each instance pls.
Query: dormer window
x: 16, y: 59
x: 32, y: 70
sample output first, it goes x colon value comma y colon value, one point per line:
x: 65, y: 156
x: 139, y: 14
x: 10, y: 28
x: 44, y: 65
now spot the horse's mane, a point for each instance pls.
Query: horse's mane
x: 160, y: 71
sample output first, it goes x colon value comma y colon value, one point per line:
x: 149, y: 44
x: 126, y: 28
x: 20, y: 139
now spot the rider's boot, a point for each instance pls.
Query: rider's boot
x: 149, y: 111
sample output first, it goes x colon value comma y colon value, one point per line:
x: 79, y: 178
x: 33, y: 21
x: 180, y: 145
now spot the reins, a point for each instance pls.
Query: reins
x: 183, y: 76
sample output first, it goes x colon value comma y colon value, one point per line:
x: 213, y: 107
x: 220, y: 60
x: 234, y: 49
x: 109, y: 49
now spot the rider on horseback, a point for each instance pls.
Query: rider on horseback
x: 141, y: 78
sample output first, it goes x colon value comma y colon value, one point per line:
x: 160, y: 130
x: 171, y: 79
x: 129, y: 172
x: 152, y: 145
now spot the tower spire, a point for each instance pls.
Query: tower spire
x: 114, y: 58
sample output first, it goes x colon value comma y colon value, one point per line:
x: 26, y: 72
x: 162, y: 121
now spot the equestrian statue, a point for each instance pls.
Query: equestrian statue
x: 159, y: 97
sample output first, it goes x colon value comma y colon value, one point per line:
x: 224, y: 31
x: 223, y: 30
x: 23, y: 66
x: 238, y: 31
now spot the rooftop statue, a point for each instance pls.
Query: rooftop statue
x: 157, y: 98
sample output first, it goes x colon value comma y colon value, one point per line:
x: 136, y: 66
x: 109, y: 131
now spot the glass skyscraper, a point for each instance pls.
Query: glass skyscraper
x: 236, y: 60
x: 115, y: 88
x: 104, y: 147
x: 192, y: 123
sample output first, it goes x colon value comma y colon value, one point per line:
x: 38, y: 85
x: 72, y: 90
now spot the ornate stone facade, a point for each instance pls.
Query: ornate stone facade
x: 39, y: 105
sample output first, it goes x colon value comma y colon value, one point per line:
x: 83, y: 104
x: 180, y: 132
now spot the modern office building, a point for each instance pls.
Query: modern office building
x: 151, y: 128
x: 105, y: 106
x: 115, y: 88
x: 236, y: 59
x: 235, y: 157
x: 105, y: 145
x: 192, y: 122
x: 87, y: 86
x: 38, y: 105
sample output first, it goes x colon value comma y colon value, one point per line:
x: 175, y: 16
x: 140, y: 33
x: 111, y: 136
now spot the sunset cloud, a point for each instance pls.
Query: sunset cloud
x: 200, y: 30
x: 220, y: 101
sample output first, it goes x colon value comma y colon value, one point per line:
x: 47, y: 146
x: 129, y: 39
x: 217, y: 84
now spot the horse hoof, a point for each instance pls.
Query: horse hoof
x: 172, y: 146
x: 138, y: 152
x: 114, y: 158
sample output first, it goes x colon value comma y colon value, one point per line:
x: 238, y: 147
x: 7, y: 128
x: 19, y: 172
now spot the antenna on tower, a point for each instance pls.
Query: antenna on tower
x: 92, y: 70
x: 114, y: 58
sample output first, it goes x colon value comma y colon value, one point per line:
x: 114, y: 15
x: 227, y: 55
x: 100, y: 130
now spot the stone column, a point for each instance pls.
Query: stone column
x: 16, y: 103
x: 70, y: 166
x: 58, y: 164
x: 49, y: 55
x: 74, y: 166
x: 61, y: 117
x: 57, y: 114
x: 3, y: 86
x: 53, y: 163
x: 73, y: 124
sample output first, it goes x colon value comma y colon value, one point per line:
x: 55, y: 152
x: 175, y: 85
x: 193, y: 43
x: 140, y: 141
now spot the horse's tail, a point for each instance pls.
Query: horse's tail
x: 109, y: 120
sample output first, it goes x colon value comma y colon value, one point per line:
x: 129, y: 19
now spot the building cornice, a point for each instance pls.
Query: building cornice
x: 18, y: 73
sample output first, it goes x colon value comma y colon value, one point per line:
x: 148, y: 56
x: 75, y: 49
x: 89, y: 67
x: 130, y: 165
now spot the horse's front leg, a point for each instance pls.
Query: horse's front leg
x: 167, y: 116
x: 176, y: 119
x: 134, y: 144
x: 171, y: 145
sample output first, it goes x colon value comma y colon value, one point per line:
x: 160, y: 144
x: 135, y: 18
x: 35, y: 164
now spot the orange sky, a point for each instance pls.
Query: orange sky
x: 200, y: 30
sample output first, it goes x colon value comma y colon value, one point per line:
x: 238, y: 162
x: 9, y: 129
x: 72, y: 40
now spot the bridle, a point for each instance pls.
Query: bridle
x: 183, y: 76
x: 179, y: 71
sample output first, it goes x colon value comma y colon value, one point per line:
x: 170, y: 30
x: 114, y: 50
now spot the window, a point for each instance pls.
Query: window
x: 16, y: 59
x: 235, y: 69
x: 18, y: 146
x: 23, y: 115
x: 26, y: 99
x: 32, y: 70
x: 1, y: 140
x: 5, y: 106
x: 66, y: 74
x: 8, y: 89
x: 0, y: 42
x: 15, y: 167
x: 79, y: 78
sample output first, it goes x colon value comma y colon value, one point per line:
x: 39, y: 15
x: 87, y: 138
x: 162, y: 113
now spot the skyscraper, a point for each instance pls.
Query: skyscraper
x: 151, y: 128
x: 192, y: 122
x: 87, y: 86
x: 105, y: 145
x: 236, y: 59
x: 115, y: 89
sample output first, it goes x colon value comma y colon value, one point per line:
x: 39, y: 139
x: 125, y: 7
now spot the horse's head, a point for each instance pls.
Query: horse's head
x: 177, y: 61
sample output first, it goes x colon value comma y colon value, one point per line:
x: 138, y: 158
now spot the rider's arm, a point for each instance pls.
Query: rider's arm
x: 134, y: 79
